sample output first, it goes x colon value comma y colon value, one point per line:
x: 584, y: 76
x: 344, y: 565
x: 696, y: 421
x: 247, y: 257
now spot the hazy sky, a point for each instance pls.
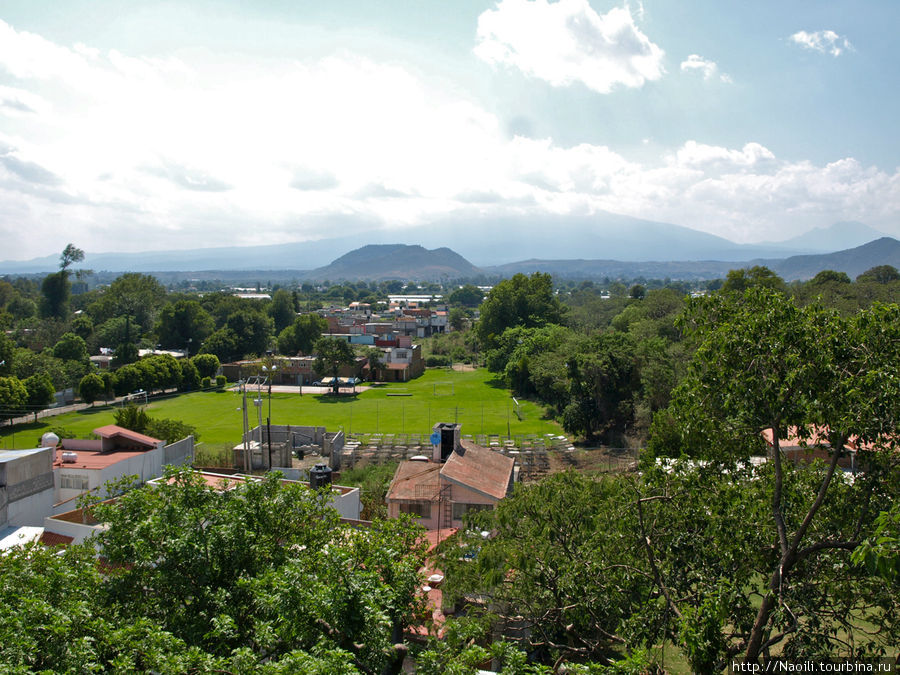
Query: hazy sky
x: 154, y: 125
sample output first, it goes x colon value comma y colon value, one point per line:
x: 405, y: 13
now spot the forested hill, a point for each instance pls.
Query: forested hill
x: 396, y: 261
x: 853, y: 262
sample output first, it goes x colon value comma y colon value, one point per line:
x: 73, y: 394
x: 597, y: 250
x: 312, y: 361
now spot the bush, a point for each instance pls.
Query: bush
x: 170, y: 430
x: 206, y: 383
x: 437, y: 360
x: 220, y: 381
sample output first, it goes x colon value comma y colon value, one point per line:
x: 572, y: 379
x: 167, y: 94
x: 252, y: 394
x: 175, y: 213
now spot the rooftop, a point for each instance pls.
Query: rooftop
x: 415, y: 481
x: 114, y: 432
x: 94, y: 459
x: 479, y: 469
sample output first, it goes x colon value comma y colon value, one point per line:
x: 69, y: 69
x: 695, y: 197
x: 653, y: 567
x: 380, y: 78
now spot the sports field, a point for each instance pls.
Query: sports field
x: 472, y: 398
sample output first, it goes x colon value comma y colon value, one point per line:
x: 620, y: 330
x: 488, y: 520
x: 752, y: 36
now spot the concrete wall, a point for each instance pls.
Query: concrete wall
x: 78, y: 531
x: 26, y: 487
x: 89, y: 445
x: 179, y: 452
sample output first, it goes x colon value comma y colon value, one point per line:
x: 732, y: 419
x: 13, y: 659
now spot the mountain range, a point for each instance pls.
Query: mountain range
x: 607, y: 245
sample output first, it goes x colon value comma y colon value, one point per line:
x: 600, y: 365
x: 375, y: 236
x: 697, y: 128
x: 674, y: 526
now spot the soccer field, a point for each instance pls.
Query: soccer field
x: 472, y: 398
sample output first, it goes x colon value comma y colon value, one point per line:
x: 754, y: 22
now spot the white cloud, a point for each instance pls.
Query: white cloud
x: 567, y: 41
x: 824, y: 41
x: 710, y: 70
x: 131, y: 154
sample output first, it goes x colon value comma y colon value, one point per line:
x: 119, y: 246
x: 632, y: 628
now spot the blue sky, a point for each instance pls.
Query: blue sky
x: 157, y: 125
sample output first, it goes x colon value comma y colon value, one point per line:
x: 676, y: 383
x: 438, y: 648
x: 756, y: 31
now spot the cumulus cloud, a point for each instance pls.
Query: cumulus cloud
x: 709, y: 69
x: 823, y: 41
x: 200, y: 152
x: 311, y: 179
x: 567, y: 41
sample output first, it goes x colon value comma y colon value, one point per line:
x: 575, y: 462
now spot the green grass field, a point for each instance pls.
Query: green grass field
x: 472, y: 398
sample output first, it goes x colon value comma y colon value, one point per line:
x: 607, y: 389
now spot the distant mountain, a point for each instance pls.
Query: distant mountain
x: 600, y: 236
x: 377, y: 262
x: 837, y: 237
x: 693, y: 270
x: 481, y: 239
x: 854, y: 261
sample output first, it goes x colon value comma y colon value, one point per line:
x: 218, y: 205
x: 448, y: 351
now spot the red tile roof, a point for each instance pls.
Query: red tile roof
x: 480, y: 469
x: 112, y: 431
x: 415, y: 481
x: 93, y: 459
x: 53, y: 539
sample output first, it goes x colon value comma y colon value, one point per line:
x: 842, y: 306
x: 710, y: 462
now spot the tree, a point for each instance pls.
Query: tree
x: 131, y: 294
x: 125, y: 353
x: 222, y: 344
x: 184, y: 324
x: 331, y: 354
x: 519, y: 301
x: 468, y: 296
x: 7, y: 350
x: 263, y: 567
x: 830, y: 276
x: 91, y: 387
x: 301, y: 335
x: 190, y: 376
x: 375, y: 358
x: 170, y: 431
x: 56, y: 288
x: 40, y: 391
x: 765, y: 365
x: 83, y: 326
x: 882, y: 274
x: 741, y: 279
x: 132, y: 417
x: 252, y: 330
x: 207, y: 364
x: 604, y: 380
x: 281, y: 309
x: 258, y: 578
x: 71, y: 254
x: 71, y: 347
x: 457, y: 318
x: 13, y: 397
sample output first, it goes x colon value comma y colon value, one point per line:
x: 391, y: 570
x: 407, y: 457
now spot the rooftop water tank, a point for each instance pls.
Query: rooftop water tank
x: 319, y: 476
x: 49, y: 440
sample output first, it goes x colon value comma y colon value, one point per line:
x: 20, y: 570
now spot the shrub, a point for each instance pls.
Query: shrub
x: 220, y: 381
x: 206, y: 383
x: 436, y: 360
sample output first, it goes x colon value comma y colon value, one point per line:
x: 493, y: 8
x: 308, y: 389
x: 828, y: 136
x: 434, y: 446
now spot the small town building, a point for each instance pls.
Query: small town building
x: 460, y: 477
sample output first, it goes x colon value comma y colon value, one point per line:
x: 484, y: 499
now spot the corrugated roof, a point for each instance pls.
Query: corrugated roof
x: 112, y: 431
x: 480, y: 469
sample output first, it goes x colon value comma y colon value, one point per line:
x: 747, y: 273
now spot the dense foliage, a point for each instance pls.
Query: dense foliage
x: 258, y: 578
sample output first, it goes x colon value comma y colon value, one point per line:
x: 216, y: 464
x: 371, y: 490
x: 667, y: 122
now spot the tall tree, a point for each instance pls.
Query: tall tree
x: 763, y: 365
x: 518, y: 301
x: 331, y: 354
x: 281, y: 309
x: 56, y: 287
x: 301, y: 335
x: 184, y: 325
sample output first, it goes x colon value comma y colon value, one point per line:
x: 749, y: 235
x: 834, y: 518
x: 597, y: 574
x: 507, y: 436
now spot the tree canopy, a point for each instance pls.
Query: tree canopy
x: 518, y: 301
x: 256, y: 577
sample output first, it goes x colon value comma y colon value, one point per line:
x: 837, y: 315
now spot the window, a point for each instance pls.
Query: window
x: 459, y: 510
x: 417, y: 509
x: 401, y: 354
x: 68, y: 481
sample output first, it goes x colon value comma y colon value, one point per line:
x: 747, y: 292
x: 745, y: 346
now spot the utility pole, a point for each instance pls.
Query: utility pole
x: 247, y: 464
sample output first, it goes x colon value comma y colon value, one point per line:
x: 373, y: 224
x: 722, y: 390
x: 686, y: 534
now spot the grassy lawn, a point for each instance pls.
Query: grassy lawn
x: 472, y: 398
